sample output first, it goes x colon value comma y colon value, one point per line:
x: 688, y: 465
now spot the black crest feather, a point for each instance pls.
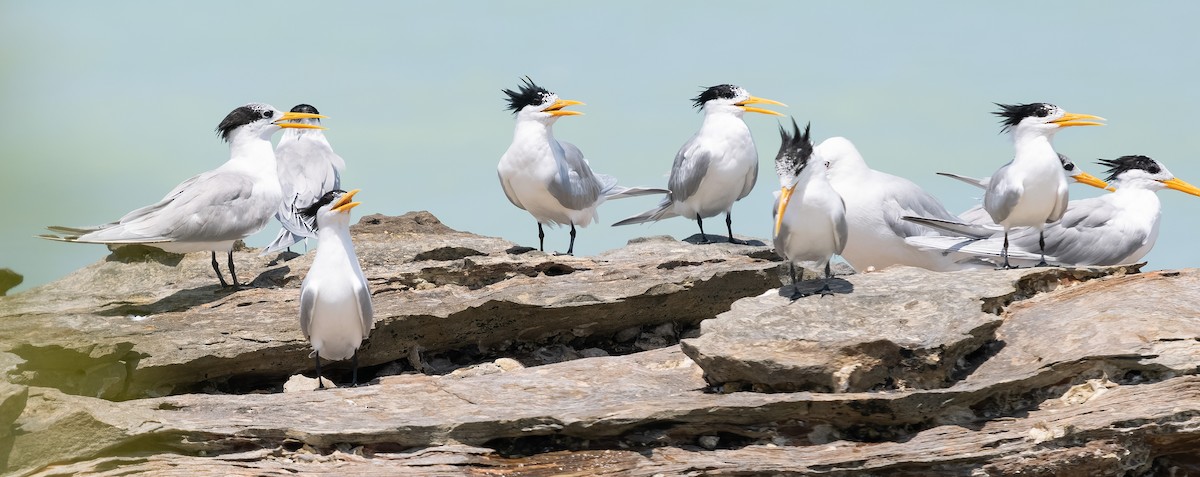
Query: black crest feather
x: 1012, y: 114
x: 1121, y: 164
x: 726, y: 91
x: 526, y: 94
x: 242, y: 116
x: 305, y: 108
x: 795, y: 149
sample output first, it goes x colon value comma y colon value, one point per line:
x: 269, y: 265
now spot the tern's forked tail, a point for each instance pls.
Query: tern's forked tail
x: 665, y: 210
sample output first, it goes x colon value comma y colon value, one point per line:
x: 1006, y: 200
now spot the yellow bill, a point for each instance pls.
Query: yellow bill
x: 288, y: 116
x: 757, y: 100
x: 556, y: 109
x: 1085, y: 178
x: 785, y: 195
x: 1072, y: 119
x: 343, y: 203
x: 1182, y: 186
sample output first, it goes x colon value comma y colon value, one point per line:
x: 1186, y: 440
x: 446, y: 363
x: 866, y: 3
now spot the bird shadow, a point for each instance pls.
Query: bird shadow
x: 697, y: 239
x: 837, y: 286
x: 187, y: 299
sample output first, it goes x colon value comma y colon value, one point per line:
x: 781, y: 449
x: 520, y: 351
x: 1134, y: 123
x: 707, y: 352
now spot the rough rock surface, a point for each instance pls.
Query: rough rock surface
x: 1078, y: 373
x: 903, y: 329
x: 148, y: 323
x: 8, y: 280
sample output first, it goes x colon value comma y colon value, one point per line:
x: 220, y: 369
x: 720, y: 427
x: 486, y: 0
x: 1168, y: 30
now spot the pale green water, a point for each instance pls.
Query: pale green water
x: 107, y: 106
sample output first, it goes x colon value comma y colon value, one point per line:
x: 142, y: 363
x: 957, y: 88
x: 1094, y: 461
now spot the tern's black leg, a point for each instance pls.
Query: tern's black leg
x: 218, y: 270
x: 541, y: 238
x: 700, y: 222
x: 729, y: 227
x: 571, y: 248
x: 354, y: 374
x: 1042, y: 244
x: 232, y: 272
x: 825, y: 290
x: 320, y: 383
x: 792, y: 272
x: 1004, y: 254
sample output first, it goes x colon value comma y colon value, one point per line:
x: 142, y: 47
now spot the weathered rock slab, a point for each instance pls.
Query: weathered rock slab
x: 904, y: 329
x: 151, y: 323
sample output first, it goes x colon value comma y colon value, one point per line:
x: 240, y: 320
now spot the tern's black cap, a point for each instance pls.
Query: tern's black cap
x: 242, y: 116
x: 723, y: 91
x: 1122, y: 164
x: 527, y: 94
x: 1012, y: 114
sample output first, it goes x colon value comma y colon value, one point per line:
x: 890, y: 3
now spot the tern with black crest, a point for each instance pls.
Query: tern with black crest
x: 717, y: 166
x: 308, y: 168
x: 549, y: 178
x: 1031, y: 190
x: 210, y: 211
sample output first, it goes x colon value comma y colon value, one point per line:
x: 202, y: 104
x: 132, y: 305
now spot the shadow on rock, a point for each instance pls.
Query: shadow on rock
x: 134, y: 253
x: 696, y: 239
x: 837, y: 286
x: 179, y: 301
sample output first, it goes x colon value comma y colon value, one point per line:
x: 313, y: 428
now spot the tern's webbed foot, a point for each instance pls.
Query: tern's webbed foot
x: 560, y: 254
x: 1043, y: 264
x: 825, y: 291
x: 737, y: 242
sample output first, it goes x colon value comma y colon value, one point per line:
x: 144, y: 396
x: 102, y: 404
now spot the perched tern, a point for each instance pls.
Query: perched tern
x: 335, y: 302
x: 717, y: 166
x: 1108, y: 230
x: 976, y: 215
x: 216, y: 208
x: 810, y: 217
x: 1031, y: 190
x: 550, y: 178
x: 875, y: 201
x: 308, y: 168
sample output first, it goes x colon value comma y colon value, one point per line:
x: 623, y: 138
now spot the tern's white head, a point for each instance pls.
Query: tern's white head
x: 259, y: 120
x: 1041, y: 119
x: 843, y: 158
x: 534, y: 103
x: 794, y: 160
x: 1074, y: 172
x: 331, y: 211
x: 730, y: 99
x: 1144, y: 173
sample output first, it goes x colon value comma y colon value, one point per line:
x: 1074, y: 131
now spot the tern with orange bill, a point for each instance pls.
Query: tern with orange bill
x: 336, y: 313
x: 717, y: 166
x: 549, y: 178
x: 210, y: 211
x: 810, y: 217
x: 1031, y: 190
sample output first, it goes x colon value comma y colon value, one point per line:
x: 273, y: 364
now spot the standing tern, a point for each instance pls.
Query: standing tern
x: 336, y: 314
x: 717, y: 166
x: 810, y: 217
x: 1031, y: 190
x: 1108, y: 230
x: 210, y: 211
x: 976, y: 215
x: 308, y: 168
x: 875, y: 201
x: 550, y: 178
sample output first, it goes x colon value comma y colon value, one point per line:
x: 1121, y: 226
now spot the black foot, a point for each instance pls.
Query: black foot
x: 560, y: 254
x: 1043, y: 264
x: 1007, y: 267
x: 825, y: 291
x: 737, y: 242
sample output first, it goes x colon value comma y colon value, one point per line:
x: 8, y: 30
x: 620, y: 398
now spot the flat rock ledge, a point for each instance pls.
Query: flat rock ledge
x: 146, y: 323
x: 905, y: 329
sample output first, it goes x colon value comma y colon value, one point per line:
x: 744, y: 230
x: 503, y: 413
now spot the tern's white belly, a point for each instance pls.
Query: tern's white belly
x: 336, y: 329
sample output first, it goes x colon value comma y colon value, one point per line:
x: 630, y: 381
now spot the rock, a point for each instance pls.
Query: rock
x: 302, y: 383
x: 905, y: 329
x: 9, y: 279
x: 137, y: 326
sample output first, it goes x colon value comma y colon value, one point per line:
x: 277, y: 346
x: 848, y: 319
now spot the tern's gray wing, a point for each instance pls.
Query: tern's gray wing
x: 1060, y: 207
x: 839, y: 219
x: 308, y: 300
x: 976, y: 215
x: 909, y: 199
x: 210, y: 207
x: 691, y: 163
x: 366, y: 311
x: 574, y: 186
x: 751, y: 177
x: 508, y: 191
x: 1084, y: 236
x: 1002, y: 195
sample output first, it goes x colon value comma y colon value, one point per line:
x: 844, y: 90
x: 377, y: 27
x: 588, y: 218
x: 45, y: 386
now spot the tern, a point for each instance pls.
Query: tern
x: 875, y: 202
x: 1112, y: 229
x: 308, y: 168
x: 810, y: 217
x: 550, y: 178
x: 210, y: 211
x: 336, y: 314
x: 1031, y: 190
x: 976, y: 215
x: 717, y: 166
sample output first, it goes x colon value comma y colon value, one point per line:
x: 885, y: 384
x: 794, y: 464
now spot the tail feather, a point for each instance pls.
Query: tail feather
x: 619, y: 192
x: 969, y: 180
x: 960, y: 229
x: 986, y: 249
x: 282, y: 241
x: 665, y: 210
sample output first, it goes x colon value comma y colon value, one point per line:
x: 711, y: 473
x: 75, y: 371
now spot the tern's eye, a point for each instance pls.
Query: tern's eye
x: 1041, y: 113
x: 267, y: 114
x: 1069, y: 167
